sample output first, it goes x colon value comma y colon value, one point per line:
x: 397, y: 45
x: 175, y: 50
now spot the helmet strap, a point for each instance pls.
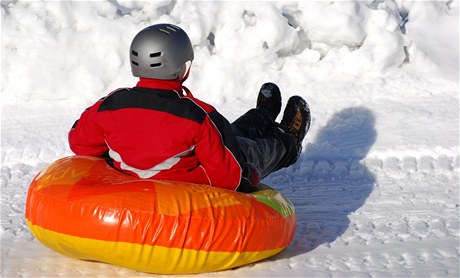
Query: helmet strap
x: 189, y: 93
x: 186, y: 73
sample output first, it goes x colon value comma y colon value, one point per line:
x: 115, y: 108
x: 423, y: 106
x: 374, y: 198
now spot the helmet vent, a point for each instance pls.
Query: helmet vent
x: 153, y: 55
x: 168, y: 30
x: 164, y: 31
x: 134, y: 63
x: 156, y: 65
x: 171, y: 28
x: 134, y: 53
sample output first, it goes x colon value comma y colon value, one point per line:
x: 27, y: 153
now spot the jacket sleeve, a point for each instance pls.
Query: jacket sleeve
x: 218, y: 152
x: 86, y: 137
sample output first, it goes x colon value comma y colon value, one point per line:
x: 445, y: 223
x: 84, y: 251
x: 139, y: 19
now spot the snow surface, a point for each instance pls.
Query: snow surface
x: 376, y: 188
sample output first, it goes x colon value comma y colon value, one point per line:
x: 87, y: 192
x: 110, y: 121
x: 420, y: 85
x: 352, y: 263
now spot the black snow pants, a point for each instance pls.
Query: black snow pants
x: 263, y: 142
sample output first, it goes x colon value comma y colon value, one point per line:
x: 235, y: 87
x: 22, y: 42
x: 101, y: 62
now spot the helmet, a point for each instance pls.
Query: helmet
x: 159, y: 52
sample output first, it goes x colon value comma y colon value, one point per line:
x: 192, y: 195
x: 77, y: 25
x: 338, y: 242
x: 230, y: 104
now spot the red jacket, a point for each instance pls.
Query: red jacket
x: 154, y: 131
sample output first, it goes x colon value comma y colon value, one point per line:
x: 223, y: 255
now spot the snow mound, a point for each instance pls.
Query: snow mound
x: 86, y: 44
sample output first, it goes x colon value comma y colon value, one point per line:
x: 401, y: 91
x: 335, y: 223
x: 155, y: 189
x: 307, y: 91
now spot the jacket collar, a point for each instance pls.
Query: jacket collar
x: 173, y: 85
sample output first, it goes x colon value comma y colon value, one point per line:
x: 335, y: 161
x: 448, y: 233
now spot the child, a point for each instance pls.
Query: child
x: 158, y: 130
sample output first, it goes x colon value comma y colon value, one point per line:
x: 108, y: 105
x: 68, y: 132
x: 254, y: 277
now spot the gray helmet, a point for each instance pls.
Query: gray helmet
x: 159, y: 51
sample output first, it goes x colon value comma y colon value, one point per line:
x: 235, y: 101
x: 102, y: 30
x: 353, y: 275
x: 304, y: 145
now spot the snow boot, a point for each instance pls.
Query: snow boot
x: 296, y: 118
x: 269, y: 99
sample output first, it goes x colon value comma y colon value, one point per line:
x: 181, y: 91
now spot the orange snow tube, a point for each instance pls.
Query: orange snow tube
x: 81, y: 207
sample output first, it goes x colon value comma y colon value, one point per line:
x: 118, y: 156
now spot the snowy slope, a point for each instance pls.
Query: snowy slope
x: 376, y: 188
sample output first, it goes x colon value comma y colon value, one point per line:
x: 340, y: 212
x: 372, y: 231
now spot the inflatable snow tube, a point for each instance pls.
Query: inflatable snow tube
x: 81, y: 207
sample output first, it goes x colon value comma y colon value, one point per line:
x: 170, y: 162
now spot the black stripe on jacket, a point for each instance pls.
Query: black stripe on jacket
x: 153, y: 99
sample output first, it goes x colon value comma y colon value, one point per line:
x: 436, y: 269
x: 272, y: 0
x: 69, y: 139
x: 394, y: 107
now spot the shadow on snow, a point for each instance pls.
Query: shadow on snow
x: 328, y: 182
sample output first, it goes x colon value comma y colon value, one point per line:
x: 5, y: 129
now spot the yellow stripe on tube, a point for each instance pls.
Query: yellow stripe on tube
x: 146, y: 258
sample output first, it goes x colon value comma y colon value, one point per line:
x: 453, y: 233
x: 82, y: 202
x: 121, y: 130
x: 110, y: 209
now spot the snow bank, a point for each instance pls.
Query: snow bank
x: 432, y: 29
x: 77, y: 51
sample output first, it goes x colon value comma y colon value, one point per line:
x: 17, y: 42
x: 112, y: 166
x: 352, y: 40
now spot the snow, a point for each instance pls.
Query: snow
x: 376, y: 188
